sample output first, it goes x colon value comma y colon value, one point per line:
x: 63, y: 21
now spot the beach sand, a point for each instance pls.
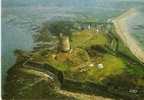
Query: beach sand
x: 127, y: 38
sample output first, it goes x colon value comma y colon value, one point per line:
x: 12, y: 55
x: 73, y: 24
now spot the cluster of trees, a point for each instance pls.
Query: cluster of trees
x: 55, y: 28
x: 64, y: 27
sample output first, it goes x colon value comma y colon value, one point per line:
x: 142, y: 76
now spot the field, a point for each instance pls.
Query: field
x: 82, y: 62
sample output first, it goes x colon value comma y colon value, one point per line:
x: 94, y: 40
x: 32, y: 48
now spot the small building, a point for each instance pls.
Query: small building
x: 100, y: 66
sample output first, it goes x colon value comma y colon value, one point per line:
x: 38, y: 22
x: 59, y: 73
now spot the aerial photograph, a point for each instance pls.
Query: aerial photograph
x: 72, y: 50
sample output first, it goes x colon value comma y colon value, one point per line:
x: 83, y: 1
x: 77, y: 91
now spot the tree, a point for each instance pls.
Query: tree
x: 62, y: 29
x: 65, y: 27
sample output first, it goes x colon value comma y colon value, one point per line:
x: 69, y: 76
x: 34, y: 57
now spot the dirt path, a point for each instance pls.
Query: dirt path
x: 126, y: 37
x: 82, y: 96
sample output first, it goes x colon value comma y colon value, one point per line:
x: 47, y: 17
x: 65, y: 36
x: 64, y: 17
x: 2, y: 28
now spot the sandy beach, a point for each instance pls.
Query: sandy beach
x: 127, y: 38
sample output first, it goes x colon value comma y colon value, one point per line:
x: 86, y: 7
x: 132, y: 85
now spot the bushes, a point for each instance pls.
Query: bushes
x: 96, y: 50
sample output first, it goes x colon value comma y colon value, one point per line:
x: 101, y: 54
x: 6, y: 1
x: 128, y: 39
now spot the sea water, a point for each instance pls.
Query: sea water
x: 136, y: 27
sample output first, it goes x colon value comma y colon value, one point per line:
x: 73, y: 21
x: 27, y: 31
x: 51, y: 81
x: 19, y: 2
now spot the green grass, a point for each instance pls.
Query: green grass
x: 88, y: 38
x: 67, y: 61
x: 79, y: 38
x: 72, y: 63
x: 112, y: 66
x: 99, y: 39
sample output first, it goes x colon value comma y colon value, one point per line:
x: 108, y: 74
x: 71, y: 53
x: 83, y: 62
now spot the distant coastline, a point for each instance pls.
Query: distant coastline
x: 126, y: 37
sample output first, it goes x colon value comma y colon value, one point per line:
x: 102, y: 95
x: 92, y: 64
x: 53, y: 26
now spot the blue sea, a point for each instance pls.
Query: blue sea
x: 19, y: 17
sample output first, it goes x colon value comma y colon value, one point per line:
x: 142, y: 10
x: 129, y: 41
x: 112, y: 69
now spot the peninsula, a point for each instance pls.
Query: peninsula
x: 78, y: 60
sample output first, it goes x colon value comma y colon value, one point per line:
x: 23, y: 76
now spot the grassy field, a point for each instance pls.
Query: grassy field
x: 78, y: 64
x: 87, y: 38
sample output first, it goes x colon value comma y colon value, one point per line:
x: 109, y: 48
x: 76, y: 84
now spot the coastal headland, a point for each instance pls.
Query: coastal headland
x: 89, y: 64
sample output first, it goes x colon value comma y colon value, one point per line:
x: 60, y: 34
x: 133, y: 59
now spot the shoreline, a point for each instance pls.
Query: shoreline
x: 129, y: 41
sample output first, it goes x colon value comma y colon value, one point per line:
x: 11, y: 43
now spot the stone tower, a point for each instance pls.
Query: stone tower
x: 64, y: 43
